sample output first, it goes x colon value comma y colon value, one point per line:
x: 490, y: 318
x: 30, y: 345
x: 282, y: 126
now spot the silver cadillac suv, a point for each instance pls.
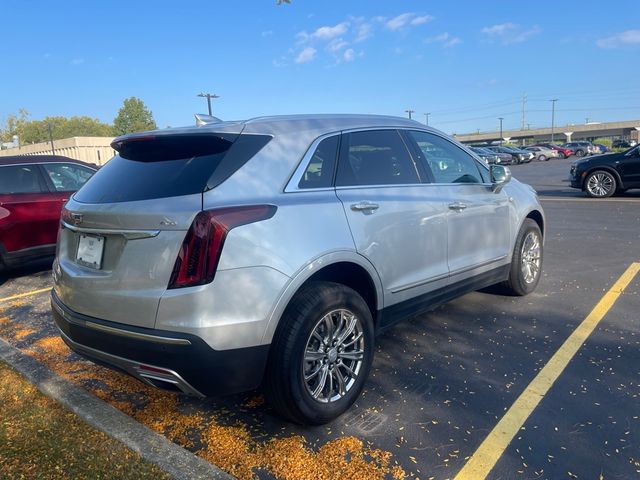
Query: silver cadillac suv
x: 212, y: 259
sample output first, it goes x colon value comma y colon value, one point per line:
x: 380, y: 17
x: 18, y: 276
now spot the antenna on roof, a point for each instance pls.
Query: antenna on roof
x: 203, y: 119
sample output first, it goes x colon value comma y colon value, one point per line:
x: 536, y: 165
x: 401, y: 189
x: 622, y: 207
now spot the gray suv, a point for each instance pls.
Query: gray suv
x: 212, y: 259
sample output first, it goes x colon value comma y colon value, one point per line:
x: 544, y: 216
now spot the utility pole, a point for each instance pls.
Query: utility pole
x: 53, y: 150
x: 501, y: 119
x: 553, y: 116
x: 426, y: 119
x: 524, y: 115
x: 208, y: 96
x: 409, y: 111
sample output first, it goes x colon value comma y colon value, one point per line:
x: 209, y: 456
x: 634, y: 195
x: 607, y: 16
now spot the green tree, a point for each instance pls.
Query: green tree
x: 62, y: 127
x: 14, y: 125
x: 36, y: 131
x: 134, y: 116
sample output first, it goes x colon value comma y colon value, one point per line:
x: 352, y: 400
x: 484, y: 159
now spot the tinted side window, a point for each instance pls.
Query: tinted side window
x: 19, y: 179
x: 448, y: 163
x: 319, y: 172
x: 376, y: 157
x: 67, y: 177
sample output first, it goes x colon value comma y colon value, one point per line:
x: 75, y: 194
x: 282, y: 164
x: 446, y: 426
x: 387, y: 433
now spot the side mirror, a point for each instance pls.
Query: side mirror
x: 500, y: 175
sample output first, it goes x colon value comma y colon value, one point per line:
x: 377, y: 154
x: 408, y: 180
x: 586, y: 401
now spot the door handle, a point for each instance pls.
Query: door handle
x: 364, y: 206
x: 457, y: 206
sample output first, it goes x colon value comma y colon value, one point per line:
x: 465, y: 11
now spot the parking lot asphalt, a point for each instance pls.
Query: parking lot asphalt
x: 440, y: 382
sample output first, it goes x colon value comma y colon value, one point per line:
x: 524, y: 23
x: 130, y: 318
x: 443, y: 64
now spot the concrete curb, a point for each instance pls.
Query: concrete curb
x: 152, y: 446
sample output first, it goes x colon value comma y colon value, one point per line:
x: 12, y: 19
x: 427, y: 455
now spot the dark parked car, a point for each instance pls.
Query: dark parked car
x: 603, y: 175
x: 33, y: 190
x: 516, y: 157
x: 487, y: 155
x: 581, y: 148
x: 564, y: 152
x: 620, y: 144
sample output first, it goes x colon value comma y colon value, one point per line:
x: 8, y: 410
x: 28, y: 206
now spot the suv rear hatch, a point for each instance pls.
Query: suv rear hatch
x: 122, y: 232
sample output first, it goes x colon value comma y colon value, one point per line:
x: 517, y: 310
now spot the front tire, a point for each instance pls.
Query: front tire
x: 321, y: 354
x: 580, y: 153
x: 600, y: 184
x: 526, y: 263
x: 542, y: 158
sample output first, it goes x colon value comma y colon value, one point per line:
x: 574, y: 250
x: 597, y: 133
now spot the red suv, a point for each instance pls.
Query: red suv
x: 33, y: 190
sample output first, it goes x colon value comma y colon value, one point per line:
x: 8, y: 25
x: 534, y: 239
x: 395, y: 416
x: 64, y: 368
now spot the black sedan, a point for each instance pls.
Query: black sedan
x: 603, y: 175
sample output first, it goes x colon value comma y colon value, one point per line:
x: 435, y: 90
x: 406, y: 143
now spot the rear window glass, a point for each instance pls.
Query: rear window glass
x: 168, y: 166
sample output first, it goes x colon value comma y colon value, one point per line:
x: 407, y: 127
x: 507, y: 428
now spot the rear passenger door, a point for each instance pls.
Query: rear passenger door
x: 397, y: 221
x: 478, y: 226
x: 25, y: 206
x: 63, y: 179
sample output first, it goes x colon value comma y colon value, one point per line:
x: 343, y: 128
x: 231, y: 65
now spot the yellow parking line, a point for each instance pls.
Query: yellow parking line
x: 492, y: 448
x: 22, y: 295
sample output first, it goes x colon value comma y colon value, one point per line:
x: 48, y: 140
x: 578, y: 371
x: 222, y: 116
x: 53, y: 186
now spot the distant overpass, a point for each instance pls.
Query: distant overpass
x: 628, y: 130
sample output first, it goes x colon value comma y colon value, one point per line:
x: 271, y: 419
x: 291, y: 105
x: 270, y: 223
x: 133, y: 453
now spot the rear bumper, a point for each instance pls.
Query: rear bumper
x: 171, y: 360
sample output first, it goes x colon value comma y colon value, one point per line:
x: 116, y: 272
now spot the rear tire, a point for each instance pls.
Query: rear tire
x: 580, y: 153
x: 542, y: 158
x: 526, y: 263
x: 309, y: 373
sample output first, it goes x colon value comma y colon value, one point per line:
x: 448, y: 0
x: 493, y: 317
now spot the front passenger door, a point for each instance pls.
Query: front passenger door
x: 478, y: 223
x: 397, y: 221
x: 629, y: 167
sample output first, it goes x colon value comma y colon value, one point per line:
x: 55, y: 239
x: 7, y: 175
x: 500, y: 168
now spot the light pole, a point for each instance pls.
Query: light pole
x: 553, y: 116
x: 426, y: 119
x: 501, y: 119
x: 53, y: 150
x: 208, y: 96
x: 409, y: 112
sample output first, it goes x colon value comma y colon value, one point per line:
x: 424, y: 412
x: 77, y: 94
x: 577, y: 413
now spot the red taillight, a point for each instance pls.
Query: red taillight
x: 200, y: 251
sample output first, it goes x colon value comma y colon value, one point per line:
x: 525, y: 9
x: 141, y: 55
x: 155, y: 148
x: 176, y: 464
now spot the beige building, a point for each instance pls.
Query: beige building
x: 87, y: 149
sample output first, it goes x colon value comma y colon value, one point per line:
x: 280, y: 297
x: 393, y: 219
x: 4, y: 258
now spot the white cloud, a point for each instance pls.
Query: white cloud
x: 306, y: 55
x: 337, y: 40
x: 499, y: 29
x: 420, y: 20
x: 77, y: 61
x: 363, y: 31
x: 336, y: 44
x: 509, y: 33
x: 327, y: 33
x: 452, y: 42
x: 406, y: 19
x: 445, y: 39
x: 349, y: 55
x: 628, y: 38
x: 267, y: 33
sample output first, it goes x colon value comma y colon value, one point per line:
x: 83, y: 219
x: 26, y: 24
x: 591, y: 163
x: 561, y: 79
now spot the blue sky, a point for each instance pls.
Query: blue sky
x: 465, y: 62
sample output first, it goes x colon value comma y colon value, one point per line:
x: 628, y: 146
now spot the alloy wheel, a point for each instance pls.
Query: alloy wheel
x: 600, y: 184
x: 531, y: 257
x: 333, y: 356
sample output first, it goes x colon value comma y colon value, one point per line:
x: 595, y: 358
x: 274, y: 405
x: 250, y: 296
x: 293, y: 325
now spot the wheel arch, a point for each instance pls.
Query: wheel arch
x: 344, y: 267
x: 538, y: 217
